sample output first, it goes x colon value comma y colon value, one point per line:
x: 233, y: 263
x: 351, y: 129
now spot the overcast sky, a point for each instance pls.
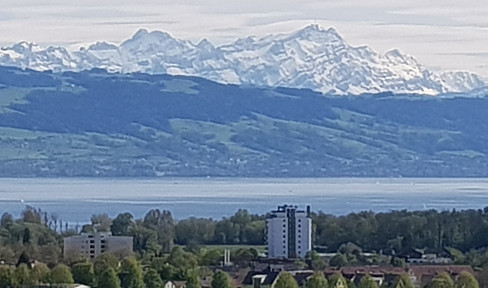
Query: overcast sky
x: 442, y: 34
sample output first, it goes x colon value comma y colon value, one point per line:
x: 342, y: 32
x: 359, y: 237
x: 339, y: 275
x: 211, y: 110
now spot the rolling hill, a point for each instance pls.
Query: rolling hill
x: 94, y: 123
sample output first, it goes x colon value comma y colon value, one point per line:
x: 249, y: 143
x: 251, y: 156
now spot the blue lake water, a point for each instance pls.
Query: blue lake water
x: 75, y: 200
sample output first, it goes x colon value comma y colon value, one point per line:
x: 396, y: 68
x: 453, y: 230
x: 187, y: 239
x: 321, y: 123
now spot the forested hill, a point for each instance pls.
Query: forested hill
x: 100, y: 124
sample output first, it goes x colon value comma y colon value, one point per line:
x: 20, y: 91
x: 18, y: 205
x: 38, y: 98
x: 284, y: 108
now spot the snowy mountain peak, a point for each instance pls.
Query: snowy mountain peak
x: 312, y: 57
x: 24, y: 47
x: 315, y: 32
x: 205, y: 44
x: 140, y: 33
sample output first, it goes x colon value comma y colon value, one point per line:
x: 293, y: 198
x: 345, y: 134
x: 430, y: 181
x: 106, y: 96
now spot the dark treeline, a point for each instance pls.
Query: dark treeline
x: 404, y: 230
x: 462, y: 234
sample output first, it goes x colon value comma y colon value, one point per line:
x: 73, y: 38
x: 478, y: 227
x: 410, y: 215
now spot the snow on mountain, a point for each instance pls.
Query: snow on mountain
x: 313, y: 57
x: 31, y: 55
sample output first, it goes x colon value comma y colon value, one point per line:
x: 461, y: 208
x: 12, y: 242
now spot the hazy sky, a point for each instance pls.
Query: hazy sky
x: 442, y: 34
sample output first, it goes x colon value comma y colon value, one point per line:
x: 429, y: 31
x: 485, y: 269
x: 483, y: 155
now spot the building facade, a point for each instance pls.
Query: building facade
x: 289, y: 232
x: 92, y: 245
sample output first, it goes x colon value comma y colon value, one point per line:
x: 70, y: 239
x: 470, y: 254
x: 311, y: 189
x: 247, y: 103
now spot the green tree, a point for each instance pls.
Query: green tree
x: 26, y: 238
x: 122, y: 224
x: 32, y: 215
x: 466, y: 280
x: 221, y: 280
x: 227, y: 232
x: 195, y: 230
x: 40, y: 273
x: 104, y: 261
x: 443, y: 280
x: 108, y: 279
x: 397, y: 262
x: 318, y: 263
x: 152, y: 279
x: 457, y: 255
x: 192, y: 280
x: 145, y: 240
x: 101, y: 222
x: 244, y: 256
x: 211, y: 257
x: 338, y: 260
x: 317, y: 281
x: 162, y: 223
x: 6, y: 277
x: 367, y: 282
x: 7, y: 220
x: 403, y: 281
x: 22, y: 275
x: 61, y: 274
x: 337, y: 281
x: 83, y: 273
x: 182, y: 261
x: 286, y: 280
x: 131, y: 273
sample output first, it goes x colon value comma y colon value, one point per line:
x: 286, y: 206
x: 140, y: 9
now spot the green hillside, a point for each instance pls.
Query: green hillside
x: 100, y: 124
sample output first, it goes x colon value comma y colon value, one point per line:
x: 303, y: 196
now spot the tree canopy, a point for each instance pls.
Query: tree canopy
x: 221, y: 279
x: 286, y: 280
x: 466, y: 280
x: 317, y: 280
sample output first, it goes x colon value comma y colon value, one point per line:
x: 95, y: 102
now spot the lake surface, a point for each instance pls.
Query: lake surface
x: 75, y: 200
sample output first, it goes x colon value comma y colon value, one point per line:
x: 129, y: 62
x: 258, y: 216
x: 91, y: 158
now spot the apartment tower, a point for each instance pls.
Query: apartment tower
x: 289, y: 232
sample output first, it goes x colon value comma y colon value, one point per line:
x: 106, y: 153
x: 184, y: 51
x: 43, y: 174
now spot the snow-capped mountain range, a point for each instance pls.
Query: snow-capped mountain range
x: 313, y: 57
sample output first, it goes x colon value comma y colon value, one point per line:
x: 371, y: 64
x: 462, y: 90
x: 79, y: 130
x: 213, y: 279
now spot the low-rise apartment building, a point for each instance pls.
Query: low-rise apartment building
x: 91, y: 245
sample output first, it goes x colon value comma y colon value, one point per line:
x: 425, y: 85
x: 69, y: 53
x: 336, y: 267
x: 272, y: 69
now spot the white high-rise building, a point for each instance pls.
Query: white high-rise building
x: 289, y: 232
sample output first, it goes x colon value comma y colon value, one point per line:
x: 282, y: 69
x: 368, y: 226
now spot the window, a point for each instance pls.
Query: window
x: 284, y: 225
x: 284, y: 241
x: 299, y: 226
x: 284, y: 236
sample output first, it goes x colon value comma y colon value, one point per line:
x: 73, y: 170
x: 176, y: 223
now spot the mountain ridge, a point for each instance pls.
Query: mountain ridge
x: 313, y: 57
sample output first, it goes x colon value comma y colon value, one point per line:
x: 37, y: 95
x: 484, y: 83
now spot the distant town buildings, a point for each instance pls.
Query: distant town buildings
x: 91, y: 245
x: 289, y: 232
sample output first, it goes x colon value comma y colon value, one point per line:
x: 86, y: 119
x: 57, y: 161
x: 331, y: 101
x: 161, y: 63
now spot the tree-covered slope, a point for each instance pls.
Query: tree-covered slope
x: 96, y: 123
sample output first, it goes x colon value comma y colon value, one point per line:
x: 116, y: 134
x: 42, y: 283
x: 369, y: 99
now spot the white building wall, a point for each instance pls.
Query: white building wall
x: 92, y: 245
x: 303, y: 235
x: 277, y: 236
